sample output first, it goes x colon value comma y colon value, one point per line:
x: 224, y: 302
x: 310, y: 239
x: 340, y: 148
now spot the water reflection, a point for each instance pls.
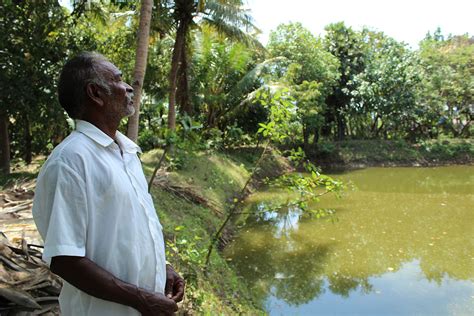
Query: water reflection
x: 409, y: 241
x: 284, y: 220
x: 391, y: 294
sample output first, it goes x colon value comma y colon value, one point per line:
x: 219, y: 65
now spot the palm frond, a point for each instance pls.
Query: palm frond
x: 250, y: 98
x: 234, y: 33
x: 248, y: 81
x: 231, y: 12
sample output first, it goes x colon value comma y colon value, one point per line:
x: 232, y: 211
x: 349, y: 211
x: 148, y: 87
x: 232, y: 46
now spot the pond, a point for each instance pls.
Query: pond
x: 401, y: 243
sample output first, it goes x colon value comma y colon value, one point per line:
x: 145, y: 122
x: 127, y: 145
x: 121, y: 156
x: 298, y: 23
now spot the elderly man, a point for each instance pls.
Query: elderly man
x: 100, y: 229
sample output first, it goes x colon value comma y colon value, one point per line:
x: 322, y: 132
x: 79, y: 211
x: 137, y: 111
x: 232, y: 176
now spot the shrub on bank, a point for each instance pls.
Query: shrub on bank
x: 393, y: 152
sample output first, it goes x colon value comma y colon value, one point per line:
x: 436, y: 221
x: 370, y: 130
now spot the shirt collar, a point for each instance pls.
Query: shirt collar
x: 103, y: 139
x: 127, y: 144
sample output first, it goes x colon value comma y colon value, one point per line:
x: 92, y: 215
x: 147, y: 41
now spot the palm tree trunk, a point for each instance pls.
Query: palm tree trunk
x: 182, y: 90
x: 140, y: 65
x: 178, y: 49
x: 4, y: 144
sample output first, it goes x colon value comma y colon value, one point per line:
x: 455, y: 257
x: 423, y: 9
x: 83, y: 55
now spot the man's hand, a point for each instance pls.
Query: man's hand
x: 153, y: 304
x: 174, y: 288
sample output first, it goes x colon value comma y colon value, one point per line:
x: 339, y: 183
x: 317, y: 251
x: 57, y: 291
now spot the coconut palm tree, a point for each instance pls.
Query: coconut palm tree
x: 140, y: 65
x: 228, y: 17
x: 98, y: 10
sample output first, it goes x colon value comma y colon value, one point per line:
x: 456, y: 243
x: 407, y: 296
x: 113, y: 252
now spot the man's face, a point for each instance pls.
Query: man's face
x: 119, y: 103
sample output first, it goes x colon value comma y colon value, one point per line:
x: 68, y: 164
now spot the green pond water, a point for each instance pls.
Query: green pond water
x: 401, y: 243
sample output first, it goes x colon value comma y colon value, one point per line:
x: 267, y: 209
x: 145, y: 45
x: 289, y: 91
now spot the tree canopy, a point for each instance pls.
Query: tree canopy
x: 204, y: 57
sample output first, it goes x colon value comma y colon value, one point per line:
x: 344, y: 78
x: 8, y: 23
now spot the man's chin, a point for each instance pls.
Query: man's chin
x: 130, y: 111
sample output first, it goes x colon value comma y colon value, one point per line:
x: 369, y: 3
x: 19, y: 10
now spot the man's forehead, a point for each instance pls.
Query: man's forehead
x: 108, y: 67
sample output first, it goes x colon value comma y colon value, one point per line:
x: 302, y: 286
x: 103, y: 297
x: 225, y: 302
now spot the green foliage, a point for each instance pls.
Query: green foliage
x: 149, y: 140
x: 281, y: 109
x: 361, y: 84
x: 311, y: 108
x: 448, y: 82
x: 156, y: 83
x: 109, y: 30
x: 185, y: 140
x: 310, y: 73
x: 188, y: 252
x: 219, y: 65
x: 384, y: 101
x: 348, y: 47
x: 300, y: 47
x: 33, y: 48
x: 448, y: 150
x: 40, y: 39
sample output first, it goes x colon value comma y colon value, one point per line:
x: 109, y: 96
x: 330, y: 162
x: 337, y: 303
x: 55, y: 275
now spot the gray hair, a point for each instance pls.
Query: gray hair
x: 76, y: 74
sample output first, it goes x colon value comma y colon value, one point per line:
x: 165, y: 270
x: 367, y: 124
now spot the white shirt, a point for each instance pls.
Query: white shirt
x: 90, y: 201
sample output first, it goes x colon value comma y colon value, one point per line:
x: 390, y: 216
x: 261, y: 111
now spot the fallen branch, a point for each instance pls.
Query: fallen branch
x: 187, y: 193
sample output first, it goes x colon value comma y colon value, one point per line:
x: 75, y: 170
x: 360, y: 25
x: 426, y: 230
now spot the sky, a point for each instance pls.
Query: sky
x: 404, y: 20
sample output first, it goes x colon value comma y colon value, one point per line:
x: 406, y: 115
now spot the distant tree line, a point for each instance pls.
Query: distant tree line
x: 206, y: 70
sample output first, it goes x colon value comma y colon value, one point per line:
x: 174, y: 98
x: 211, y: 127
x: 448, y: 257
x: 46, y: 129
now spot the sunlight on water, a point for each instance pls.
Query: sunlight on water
x: 403, y: 244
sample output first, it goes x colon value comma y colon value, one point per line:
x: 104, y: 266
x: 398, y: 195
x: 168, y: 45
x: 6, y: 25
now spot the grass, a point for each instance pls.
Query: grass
x: 189, y: 227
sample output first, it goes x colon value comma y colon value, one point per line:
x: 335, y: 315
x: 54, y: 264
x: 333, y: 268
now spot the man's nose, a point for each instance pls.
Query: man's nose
x: 129, y: 88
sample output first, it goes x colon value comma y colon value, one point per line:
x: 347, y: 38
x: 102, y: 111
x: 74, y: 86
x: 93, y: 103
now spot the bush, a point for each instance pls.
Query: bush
x: 148, y: 140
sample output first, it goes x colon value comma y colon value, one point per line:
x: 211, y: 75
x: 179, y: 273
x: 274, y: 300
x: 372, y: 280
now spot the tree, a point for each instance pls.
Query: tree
x: 385, y: 95
x: 227, y: 17
x: 347, y: 46
x: 311, y: 109
x: 310, y: 72
x: 114, y: 30
x: 299, y: 46
x: 140, y: 65
x: 218, y: 66
x: 33, y: 49
x: 448, y: 81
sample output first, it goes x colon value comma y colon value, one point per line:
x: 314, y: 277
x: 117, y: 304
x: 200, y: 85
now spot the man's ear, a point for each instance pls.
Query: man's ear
x: 95, y: 93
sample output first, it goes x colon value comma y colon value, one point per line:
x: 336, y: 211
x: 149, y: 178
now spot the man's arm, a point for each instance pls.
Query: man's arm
x: 95, y: 281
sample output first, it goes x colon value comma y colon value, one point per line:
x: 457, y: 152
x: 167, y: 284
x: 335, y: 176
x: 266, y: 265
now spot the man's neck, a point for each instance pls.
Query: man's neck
x: 107, y: 126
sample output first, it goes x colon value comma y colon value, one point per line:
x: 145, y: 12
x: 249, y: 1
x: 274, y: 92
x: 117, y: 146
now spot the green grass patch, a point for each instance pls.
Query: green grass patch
x: 188, y: 228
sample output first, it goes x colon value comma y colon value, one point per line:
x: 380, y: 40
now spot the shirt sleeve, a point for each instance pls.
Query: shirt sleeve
x: 60, y: 211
